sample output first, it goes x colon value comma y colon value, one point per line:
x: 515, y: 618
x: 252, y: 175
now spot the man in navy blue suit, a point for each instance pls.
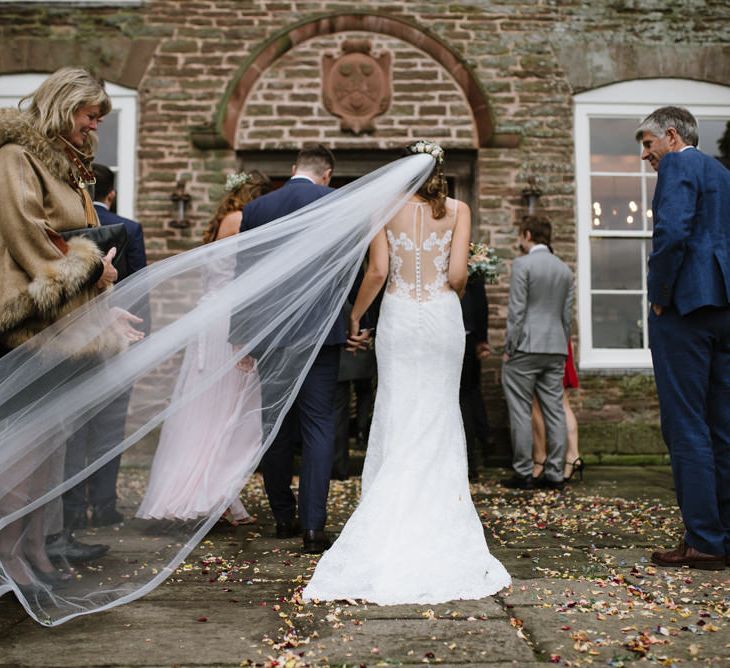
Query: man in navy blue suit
x: 104, y: 197
x: 100, y: 490
x: 313, y: 412
x: 689, y: 330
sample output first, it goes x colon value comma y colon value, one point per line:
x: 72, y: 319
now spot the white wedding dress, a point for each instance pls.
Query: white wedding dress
x: 415, y: 536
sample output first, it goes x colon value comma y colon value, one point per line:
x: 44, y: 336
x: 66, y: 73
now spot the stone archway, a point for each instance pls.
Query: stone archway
x: 259, y: 61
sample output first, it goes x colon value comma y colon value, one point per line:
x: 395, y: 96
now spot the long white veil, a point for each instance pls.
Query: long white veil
x: 293, y: 277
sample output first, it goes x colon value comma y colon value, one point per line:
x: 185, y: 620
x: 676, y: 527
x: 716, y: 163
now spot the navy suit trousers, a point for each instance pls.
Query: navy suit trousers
x: 691, y: 357
x: 314, y: 413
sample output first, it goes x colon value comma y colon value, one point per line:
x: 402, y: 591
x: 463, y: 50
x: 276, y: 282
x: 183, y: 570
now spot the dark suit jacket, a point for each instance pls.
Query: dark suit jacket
x: 475, y: 309
x: 689, y: 265
x: 295, y: 194
x: 136, y: 256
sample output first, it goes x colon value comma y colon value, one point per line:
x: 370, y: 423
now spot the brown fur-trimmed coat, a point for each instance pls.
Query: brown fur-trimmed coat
x: 42, y: 278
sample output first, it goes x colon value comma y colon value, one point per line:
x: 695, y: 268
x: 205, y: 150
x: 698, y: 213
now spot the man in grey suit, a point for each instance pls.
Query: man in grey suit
x: 538, y: 328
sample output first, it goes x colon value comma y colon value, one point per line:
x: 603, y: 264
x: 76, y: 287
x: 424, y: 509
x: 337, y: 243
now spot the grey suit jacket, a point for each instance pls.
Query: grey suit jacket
x: 541, y: 297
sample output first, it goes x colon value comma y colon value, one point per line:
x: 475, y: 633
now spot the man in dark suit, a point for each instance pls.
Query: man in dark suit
x: 100, y: 490
x: 689, y: 330
x: 474, y: 309
x: 314, y: 408
x: 104, y: 197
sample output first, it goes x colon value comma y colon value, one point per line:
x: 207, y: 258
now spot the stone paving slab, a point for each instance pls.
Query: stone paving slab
x: 657, y: 636
x: 583, y: 589
x: 486, y: 607
x: 143, y: 633
x: 412, y: 641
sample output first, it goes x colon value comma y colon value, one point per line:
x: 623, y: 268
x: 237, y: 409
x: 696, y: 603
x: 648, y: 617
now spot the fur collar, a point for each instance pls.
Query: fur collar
x: 16, y: 128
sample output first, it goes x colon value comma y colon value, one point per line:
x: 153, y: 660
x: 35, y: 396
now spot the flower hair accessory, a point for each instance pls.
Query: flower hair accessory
x: 235, y: 181
x: 430, y: 147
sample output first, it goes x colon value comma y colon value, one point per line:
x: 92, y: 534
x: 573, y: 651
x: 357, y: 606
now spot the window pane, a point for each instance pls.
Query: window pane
x: 616, y: 264
x: 613, y: 146
x: 711, y: 132
x: 106, y: 153
x: 617, y: 321
x: 616, y: 203
x: 650, y: 188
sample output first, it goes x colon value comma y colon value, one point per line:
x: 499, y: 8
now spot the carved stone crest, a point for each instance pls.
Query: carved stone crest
x: 356, y: 86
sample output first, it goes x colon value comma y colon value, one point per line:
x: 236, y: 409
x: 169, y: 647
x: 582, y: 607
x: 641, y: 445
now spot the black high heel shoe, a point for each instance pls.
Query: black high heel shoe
x: 576, y: 466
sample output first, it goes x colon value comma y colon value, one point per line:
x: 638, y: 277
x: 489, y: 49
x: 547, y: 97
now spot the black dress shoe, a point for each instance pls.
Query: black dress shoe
x: 288, y: 529
x: 106, y: 515
x: 519, y: 482
x: 546, y: 483
x: 64, y: 547
x: 315, y: 541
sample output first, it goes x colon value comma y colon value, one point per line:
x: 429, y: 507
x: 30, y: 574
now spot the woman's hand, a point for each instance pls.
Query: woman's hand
x: 109, y: 275
x: 122, y: 323
x: 483, y: 350
x: 357, y: 339
x: 246, y: 364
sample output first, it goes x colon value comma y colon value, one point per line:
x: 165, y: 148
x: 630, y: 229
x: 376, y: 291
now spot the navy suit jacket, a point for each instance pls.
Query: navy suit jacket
x: 690, y: 261
x: 136, y: 256
x: 293, y: 195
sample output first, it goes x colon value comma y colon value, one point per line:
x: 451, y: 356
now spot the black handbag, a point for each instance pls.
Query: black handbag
x: 105, y: 237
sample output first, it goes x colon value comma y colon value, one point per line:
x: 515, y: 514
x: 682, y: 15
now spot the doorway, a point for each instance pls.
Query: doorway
x: 351, y: 164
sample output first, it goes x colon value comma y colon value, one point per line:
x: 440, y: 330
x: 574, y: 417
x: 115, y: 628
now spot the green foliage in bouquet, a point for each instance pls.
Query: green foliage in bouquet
x: 483, y: 262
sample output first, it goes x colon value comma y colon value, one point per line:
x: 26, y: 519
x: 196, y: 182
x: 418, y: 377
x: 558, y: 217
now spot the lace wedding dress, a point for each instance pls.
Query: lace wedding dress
x: 415, y: 536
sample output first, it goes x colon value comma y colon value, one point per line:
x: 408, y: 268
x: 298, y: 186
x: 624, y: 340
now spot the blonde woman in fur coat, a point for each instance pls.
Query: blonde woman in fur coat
x: 45, y: 155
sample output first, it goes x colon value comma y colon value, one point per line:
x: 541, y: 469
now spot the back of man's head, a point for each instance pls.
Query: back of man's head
x: 104, y: 181
x: 539, y: 227
x: 315, y: 159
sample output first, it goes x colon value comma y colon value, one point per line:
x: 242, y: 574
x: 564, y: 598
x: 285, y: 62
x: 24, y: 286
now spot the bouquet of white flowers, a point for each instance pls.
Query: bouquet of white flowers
x: 483, y: 262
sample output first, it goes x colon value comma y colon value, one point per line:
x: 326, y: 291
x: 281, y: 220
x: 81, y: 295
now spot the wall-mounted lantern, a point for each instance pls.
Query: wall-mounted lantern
x: 180, y: 200
x: 531, y: 195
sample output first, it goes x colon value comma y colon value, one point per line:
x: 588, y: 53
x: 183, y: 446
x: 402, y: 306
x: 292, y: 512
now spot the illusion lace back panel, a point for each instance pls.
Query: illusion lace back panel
x: 416, y: 536
x: 419, y: 247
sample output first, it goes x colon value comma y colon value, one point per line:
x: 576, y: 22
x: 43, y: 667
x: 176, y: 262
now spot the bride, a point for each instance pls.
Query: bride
x: 415, y: 537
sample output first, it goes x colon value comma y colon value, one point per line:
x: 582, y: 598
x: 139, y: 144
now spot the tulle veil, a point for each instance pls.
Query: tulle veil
x: 293, y: 276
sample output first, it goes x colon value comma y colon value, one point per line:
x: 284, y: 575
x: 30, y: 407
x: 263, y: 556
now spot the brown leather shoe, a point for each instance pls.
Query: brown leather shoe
x: 685, y: 555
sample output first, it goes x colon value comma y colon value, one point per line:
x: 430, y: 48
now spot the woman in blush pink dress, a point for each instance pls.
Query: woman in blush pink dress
x: 211, y: 434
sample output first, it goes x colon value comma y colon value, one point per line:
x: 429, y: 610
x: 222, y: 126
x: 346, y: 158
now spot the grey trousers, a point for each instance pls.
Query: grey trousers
x: 525, y: 375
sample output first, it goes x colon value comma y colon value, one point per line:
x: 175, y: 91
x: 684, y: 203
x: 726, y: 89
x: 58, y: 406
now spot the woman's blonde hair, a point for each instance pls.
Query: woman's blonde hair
x: 53, y: 104
x: 253, y: 186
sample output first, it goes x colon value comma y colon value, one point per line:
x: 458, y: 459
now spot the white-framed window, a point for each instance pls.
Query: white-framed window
x: 117, y: 132
x: 614, y: 190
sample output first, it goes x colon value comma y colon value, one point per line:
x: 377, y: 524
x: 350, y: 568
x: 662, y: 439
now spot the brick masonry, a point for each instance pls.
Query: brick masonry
x: 525, y: 59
